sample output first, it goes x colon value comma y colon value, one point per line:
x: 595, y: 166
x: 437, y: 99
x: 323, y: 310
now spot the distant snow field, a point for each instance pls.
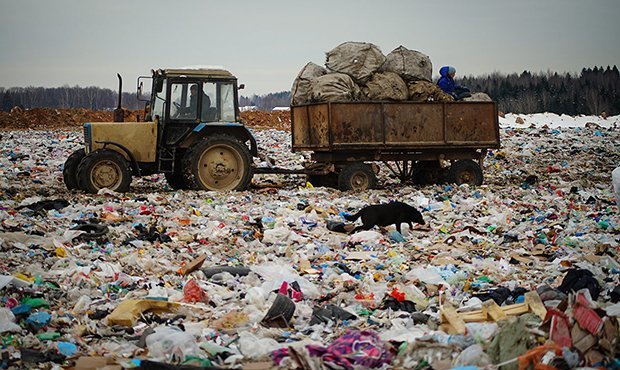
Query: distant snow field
x: 553, y: 120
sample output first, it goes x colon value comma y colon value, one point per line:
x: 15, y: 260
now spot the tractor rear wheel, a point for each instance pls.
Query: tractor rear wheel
x: 104, y: 168
x: 218, y: 162
x: 69, y: 170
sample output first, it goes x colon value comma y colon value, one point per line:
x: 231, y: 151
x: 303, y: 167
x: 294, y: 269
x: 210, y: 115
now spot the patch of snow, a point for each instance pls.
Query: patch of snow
x: 553, y: 120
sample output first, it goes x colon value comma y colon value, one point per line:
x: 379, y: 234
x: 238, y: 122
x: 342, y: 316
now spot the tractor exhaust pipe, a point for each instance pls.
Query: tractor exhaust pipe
x: 119, y: 115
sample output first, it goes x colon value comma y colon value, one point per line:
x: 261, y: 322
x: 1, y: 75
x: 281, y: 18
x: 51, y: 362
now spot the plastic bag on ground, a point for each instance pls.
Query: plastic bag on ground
x: 255, y: 347
x: 473, y: 356
x: 169, y: 343
x: 7, y: 321
x: 275, y: 274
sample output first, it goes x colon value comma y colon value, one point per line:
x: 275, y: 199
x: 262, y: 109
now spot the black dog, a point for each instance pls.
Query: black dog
x: 386, y: 214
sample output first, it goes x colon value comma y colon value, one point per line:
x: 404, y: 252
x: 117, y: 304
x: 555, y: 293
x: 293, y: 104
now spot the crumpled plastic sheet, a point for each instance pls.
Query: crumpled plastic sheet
x: 507, y: 233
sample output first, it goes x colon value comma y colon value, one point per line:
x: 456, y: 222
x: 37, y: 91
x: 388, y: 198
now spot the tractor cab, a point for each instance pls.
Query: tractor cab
x: 182, y: 99
x: 191, y: 134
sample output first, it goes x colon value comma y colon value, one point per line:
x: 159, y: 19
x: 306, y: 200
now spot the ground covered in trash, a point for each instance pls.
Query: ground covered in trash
x: 512, y: 271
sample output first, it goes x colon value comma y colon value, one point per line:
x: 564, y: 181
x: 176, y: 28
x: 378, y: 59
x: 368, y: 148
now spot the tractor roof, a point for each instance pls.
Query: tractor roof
x: 201, y: 71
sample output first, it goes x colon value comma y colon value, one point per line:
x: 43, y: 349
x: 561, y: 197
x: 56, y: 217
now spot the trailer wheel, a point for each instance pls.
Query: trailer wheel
x: 104, y: 168
x: 427, y: 172
x: 69, y: 170
x: 357, y: 177
x: 465, y: 172
x: 330, y: 180
x: 219, y: 162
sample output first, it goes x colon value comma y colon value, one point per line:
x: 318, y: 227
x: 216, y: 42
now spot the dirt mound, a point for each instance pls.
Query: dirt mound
x: 50, y: 118
x: 279, y: 120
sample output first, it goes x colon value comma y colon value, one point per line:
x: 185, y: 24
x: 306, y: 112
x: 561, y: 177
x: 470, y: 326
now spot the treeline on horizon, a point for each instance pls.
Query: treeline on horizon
x: 592, y: 92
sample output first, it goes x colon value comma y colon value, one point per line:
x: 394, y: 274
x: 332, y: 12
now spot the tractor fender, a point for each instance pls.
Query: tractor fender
x: 233, y: 129
x: 124, y: 150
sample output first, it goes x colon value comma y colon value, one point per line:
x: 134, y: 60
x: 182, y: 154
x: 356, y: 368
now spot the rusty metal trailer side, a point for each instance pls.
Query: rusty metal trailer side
x: 394, y: 126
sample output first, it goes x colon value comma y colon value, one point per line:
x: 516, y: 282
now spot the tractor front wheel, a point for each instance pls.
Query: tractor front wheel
x: 104, y: 168
x: 69, y: 170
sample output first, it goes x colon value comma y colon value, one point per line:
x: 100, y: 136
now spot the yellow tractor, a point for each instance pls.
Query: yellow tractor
x: 191, y: 133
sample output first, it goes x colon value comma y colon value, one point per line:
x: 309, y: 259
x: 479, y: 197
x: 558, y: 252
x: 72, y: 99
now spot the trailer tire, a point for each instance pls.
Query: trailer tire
x: 329, y: 180
x: 70, y: 168
x: 218, y: 162
x: 104, y: 168
x: 427, y: 173
x: 465, y: 171
x: 357, y: 177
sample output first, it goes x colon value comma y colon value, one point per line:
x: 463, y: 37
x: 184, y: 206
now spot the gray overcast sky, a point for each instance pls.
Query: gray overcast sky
x: 265, y: 43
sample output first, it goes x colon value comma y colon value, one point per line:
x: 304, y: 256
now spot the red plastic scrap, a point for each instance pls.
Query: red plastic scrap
x: 584, y: 314
x: 531, y: 359
x: 397, y: 295
x: 587, y: 318
x: 192, y: 293
x: 559, y: 331
x: 289, y: 291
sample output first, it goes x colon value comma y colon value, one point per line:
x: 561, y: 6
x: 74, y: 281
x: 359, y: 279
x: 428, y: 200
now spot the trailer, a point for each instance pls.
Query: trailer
x: 418, y: 142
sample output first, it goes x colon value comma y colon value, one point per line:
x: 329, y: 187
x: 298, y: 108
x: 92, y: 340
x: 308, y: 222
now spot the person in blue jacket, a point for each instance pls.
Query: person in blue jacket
x: 447, y: 84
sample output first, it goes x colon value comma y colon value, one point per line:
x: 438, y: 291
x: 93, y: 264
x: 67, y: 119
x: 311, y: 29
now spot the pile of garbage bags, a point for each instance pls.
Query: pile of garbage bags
x: 358, y: 71
x: 521, y: 272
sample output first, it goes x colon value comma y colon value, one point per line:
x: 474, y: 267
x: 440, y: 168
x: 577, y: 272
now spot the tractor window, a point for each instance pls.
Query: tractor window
x: 209, y: 109
x: 227, y: 102
x: 184, y: 99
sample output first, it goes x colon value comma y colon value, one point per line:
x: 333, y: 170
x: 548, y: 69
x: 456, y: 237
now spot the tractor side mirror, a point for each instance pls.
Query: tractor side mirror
x: 241, y: 87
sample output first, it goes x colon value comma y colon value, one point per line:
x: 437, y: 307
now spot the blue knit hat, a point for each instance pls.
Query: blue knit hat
x: 451, y: 70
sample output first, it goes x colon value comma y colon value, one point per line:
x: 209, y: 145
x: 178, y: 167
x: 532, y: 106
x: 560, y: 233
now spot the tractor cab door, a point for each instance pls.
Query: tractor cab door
x: 182, y: 113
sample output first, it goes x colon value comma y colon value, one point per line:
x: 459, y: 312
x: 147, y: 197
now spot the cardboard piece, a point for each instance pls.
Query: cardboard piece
x: 127, y: 312
x: 535, y: 304
x: 532, y: 303
x: 582, y: 340
x: 448, y: 312
x: 195, y: 264
x: 491, y: 309
x: 95, y: 363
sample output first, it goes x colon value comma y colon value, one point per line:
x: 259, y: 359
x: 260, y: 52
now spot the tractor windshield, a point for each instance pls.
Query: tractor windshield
x: 211, y: 101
